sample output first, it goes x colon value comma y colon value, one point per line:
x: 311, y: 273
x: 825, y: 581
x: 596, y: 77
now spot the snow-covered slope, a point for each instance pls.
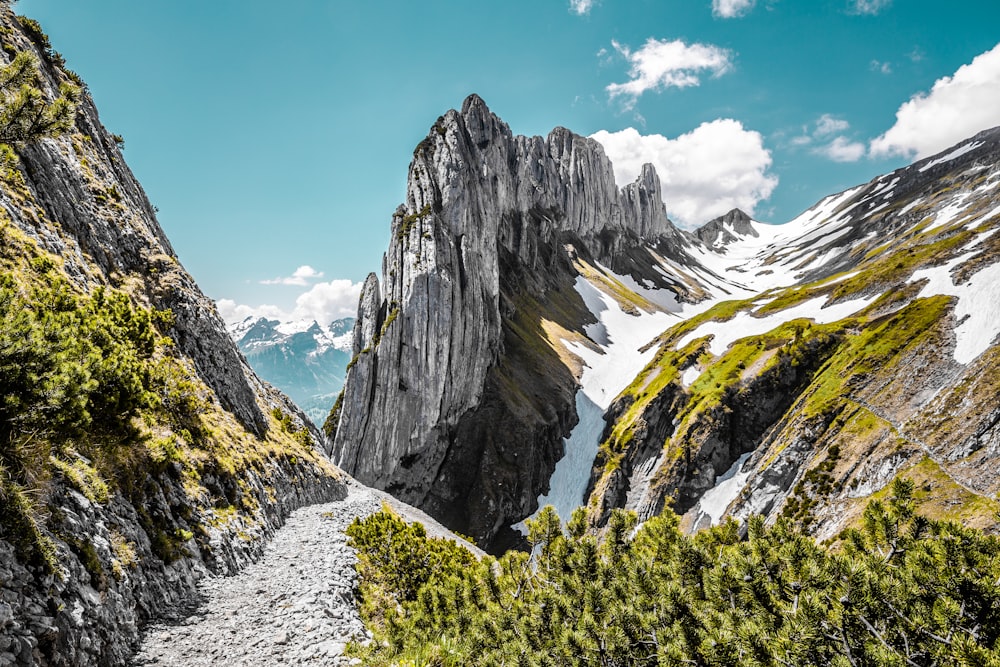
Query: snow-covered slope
x: 832, y: 353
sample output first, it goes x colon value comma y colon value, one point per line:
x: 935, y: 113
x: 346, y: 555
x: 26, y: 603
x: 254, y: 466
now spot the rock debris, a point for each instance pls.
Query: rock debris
x: 295, y: 606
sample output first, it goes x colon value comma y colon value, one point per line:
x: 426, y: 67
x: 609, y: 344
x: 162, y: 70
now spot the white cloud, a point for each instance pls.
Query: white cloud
x: 323, y: 302
x: 842, y: 149
x: 716, y: 167
x: 870, y: 7
x: 301, y: 277
x: 728, y: 9
x: 667, y: 64
x: 581, y: 7
x: 233, y: 312
x: 821, y: 135
x: 881, y: 67
x: 827, y: 124
x: 957, y: 107
x: 329, y: 301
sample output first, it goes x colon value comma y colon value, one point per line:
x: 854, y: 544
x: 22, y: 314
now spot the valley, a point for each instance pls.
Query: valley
x: 563, y: 427
x: 795, y: 349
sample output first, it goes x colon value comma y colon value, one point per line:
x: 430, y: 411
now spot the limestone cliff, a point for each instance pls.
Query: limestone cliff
x: 150, y: 453
x: 457, y: 399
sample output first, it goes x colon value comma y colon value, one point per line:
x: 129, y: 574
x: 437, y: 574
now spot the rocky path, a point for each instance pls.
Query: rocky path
x: 294, y: 607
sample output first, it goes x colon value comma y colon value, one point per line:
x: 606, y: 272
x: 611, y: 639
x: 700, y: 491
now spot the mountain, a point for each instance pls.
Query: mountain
x: 540, y: 336
x: 861, y: 348
x: 458, y: 398
x: 306, y: 361
x: 138, y: 451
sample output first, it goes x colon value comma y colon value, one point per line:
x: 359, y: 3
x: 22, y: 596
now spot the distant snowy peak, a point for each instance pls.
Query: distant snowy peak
x: 726, y: 229
x: 261, y: 332
x: 735, y: 257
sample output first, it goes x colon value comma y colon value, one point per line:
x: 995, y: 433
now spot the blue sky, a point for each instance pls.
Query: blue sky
x: 275, y: 139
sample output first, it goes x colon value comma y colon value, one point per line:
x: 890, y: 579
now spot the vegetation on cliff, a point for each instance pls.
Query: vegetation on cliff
x: 94, y: 394
x: 898, y: 589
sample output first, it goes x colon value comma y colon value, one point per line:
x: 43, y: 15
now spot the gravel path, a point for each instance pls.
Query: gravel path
x: 294, y: 607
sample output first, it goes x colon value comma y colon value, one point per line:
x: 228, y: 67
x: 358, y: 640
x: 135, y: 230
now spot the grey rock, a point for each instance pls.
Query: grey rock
x: 81, y: 202
x: 490, y: 225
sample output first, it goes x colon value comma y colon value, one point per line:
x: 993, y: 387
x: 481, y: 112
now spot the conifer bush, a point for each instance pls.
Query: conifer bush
x: 25, y: 115
x: 899, y: 589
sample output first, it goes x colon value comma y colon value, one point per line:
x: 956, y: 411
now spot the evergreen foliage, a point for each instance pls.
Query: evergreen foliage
x: 25, y: 115
x: 899, y: 589
x: 76, y: 372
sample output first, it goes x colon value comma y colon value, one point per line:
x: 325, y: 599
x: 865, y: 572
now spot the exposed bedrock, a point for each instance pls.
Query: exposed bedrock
x: 457, y: 401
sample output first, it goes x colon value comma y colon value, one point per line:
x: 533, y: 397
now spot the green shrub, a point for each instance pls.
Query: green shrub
x: 25, y: 115
x: 898, y: 590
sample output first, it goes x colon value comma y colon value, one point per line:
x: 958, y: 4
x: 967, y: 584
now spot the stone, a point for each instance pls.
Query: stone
x: 428, y: 411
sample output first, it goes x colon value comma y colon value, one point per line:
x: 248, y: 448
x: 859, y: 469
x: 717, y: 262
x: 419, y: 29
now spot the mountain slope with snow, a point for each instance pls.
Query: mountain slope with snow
x: 861, y: 346
x: 540, y: 336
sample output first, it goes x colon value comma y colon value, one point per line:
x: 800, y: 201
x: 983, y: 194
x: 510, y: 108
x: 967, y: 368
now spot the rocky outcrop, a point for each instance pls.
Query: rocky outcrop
x: 725, y: 229
x: 457, y: 402
x: 114, y: 577
x: 109, y: 553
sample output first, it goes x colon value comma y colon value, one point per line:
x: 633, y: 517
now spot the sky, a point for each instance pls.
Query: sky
x: 275, y: 139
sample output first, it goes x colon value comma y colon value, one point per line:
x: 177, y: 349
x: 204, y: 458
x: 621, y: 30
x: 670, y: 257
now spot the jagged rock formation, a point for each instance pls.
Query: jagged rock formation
x: 85, y: 557
x: 725, y: 229
x: 831, y: 354
x: 457, y: 400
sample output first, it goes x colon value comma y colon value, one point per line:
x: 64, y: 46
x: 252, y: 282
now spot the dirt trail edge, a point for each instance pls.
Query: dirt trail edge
x: 295, y: 606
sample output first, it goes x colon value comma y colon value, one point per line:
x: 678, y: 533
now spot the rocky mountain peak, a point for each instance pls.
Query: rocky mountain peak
x: 725, y: 229
x: 481, y: 236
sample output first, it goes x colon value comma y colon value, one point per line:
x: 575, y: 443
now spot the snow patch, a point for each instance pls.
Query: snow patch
x: 958, y: 152
x: 744, y: 324
x: 977, y: 310
x: 606, y: 373
x: 727, y: 487
x: 690, y: 374
x: 949, y: 213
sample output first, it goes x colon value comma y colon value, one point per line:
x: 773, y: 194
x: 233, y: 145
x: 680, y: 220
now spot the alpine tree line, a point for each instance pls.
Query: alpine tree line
x: 898, y: 589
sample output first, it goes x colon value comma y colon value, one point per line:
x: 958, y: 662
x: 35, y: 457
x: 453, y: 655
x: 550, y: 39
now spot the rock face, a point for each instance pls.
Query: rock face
x: 725, y: 229
x: 191, y: 500
x: 456, y: 401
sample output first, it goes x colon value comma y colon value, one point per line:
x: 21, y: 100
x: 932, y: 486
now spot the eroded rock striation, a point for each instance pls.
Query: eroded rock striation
x: 457, y: 402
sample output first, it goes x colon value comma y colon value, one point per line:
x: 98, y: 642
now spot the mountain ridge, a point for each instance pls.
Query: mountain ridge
x: 773, y: 269
x: 138, y: 450
x: 305, y: 360
x: 488, y: 252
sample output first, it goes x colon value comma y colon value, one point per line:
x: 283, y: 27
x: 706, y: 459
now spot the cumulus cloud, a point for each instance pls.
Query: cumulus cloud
x: 842, y: 149
x: 323, y: 302
x: 957, y: 107
x: 581, y: 7
x: 233, y: 312
x: 728, y: 9
x: 828, y: 124
x: 301, y: 277
x: 716, y: 167
x: 667, y: 64
x: 869, y: 7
